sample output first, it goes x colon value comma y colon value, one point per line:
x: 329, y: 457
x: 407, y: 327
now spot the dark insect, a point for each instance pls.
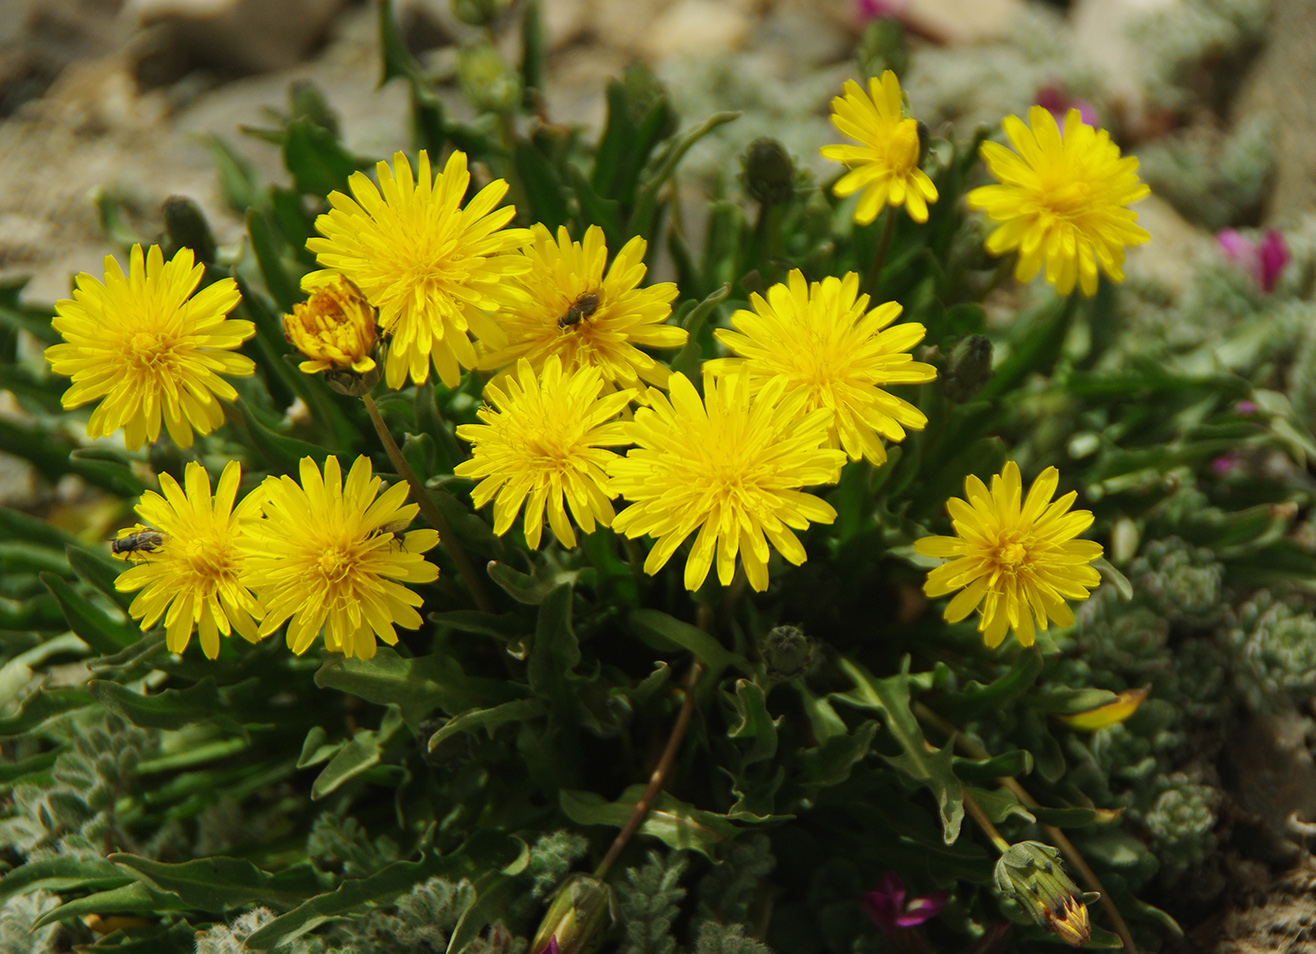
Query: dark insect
x: 582, y: 307
x: 398, y: 533
x: 144, y: 541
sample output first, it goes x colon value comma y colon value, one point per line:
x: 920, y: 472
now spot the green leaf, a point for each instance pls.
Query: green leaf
x: 135, y: 898
x: 504, y: 626
x: 11, y: 772
x: 831, y: 762
x: 169, y: 708
x: 21, y: 556
x: 751, y: 721
x: 1012, y: 763
x: 1071, y: 701
x: 555, y: 650
x: 488, y: 719
x: 975, y: 698
x: 282, y: 453
x: 100, y: 570
x: 389, y: 882
x: 317, y: 748
x: 363, y: 752
x: 237, y: 177
x: 919, y: 760
x: 665, y: 632
x: 61, y: 874
x: 673, y: 822
x: 106, y: 636
x: 543, y: 186
x: 519, y: 586
x: 646, y: 205
x: 416, y: 686
x: 1000, y: 803
x: 1072, y: 817
x: 688, y: 358
x: 217, y: 884
x: 1035, y: 344
x: 40, y: 707
x: 266, y: 242
x: 138, y: 653
x: 317, y: 160
x: 494, y: 893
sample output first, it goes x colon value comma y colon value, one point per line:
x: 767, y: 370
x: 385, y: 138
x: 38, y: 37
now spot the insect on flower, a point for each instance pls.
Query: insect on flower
x: 581, y: 308
x: 135, y: 544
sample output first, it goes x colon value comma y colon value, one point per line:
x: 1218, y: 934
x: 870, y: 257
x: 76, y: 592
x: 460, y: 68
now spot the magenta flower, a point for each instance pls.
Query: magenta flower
x: 1057, y: 102
x: 1264, y: 260
x: 887, y: 908
x: 872, y: 9
x: 1223, y: 465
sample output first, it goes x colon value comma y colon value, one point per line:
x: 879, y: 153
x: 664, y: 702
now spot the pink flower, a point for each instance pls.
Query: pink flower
x: 1057, y: 102
x: 1264, y: 260
x: 872, y: 9
x: 886, y: 907
x: 1223, y: 465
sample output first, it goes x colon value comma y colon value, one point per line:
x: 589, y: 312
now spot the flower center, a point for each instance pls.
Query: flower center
x: 148, y: 352
x: 1068, y: 200
x: 334, y: 564
x: 1011, y: 556
x: 902, y: 150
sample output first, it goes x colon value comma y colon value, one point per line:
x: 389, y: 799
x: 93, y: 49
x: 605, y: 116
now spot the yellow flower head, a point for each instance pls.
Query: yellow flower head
x: 1013, y: 563
x: 335, y: 328
x: 432, y: 268
x: 885, y: 166
x: 542, y: 441
x: 822, y: 341
x: 730, y: 467
x: 326, y: 555
x: 190, y: 576
x: 588, y: 318
x: 1062, y: 200
x: 148, y: 349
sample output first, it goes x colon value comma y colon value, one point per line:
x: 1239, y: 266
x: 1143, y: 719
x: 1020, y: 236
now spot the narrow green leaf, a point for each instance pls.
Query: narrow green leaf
x: 519, y: 586
x: 317, y: 160
x: 646, y: 205
x: 672, y: 821
x: 975, y: 697
x: 1000, y: 804
x: 281, y: 452
x: 1071, y: 701
x: 1014, y: 762
x: 555, y: 651
x: 667, y: 632
x: 217, y: 884
x: 363, y: 752
x: 61, y: 874
x: 100, y: 570
x: 417, y: 686
x: 317, y: 748
x: 1036, y: 344
x: 687, y: 360
x: 237, y: 177
x: 136, y: 898
x: 543, y: 186
x: 503, y: 626
x: 918, y: 759
x: 751, y: 721
x: 40, y: 707
x: 93, y: 626
x: 169, y: 708
x: 389, y: 882
x: 488, y: 719
x: 266, y: 242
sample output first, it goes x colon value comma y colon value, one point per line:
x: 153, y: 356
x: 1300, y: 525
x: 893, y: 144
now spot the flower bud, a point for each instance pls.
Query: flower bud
x: 580, y: 913
x: 186, y: 227
x: 787, y: 651
x: 969, y: 368
x: 1030, y: 873
x: 490, y: 85
x: 768, y: 172
x: 336, y: 330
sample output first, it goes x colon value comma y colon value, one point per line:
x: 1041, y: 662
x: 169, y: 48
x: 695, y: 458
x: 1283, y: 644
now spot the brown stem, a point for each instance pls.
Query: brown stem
x: 985, y: 823
x: 1058, y: 837
x: 659, y: 776
x: 427, y: 507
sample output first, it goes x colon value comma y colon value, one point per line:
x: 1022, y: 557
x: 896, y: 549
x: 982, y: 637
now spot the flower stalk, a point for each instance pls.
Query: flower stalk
x: 429, y: 509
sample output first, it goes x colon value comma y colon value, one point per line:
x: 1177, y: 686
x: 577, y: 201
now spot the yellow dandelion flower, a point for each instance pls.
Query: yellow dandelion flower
x: 335, y: 328
x: 826, y: 345
x: 542, y: 442
x: 585, y: 317
x: 190, y: 574
x: 431, y: 267
x: 1013, y: 563
x: 731, y: 467
x: 885, y: 166
x: 327, y: 556
x: 149, y: 348
x: 1061, y: 200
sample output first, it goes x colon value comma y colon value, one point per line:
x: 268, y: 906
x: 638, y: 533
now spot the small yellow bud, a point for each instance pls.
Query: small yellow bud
x: 335, y: 329
x: 1030, y: 873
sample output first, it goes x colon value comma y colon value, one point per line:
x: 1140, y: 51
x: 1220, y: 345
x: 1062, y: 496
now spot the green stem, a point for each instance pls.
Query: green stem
x: 875, y: 270
x: 985, y: 823
x: 427, y: 507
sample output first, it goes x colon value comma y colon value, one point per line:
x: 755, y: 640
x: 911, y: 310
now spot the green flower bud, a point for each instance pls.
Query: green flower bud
x: 969, y: 368
x: 580, y: 912
x: 186, y: 227
x: 478, y: 12
x: 1030, y: 873
x: 490, y: 85
x: 787, y: 651
x: 768, y: 172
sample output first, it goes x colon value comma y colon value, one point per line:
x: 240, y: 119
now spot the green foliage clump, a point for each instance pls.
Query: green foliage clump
x: 649, y: 902
x: 1213, y: 179
x: 1272, y: 642
x: 1182, y: 582
x: 1181, y: 822
x: 1197, y: 46
x: 18, y: 931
